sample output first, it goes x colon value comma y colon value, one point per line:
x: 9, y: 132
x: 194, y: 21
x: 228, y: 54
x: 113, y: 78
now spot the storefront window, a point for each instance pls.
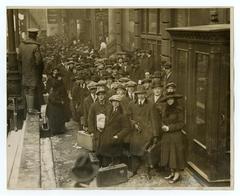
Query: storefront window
x: 201, y: 96
x: 152, y: 21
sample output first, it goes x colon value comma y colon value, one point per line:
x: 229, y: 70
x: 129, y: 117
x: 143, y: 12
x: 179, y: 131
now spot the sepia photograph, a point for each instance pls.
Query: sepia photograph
x: 119, y: 98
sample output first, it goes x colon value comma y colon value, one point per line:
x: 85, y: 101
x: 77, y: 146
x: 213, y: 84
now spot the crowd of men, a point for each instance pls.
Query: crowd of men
x: 119, y: 99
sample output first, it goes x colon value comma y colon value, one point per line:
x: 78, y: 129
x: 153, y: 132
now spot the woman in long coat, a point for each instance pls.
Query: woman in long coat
x: 116, y: 128
x: 58, y: 111
x: 172, y: 148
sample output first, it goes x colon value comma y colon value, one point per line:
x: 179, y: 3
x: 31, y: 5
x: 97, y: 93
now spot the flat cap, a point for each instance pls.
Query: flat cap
x: 115, y: 98
x: 33, y: 30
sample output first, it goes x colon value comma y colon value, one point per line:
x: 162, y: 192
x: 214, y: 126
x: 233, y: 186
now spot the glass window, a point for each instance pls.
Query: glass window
x: 152, y: 21
x: 201, y: 96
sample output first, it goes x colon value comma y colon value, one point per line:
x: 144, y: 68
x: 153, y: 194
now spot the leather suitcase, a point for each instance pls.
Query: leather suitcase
x: 85, y: 140
x: 112, y: 175
x: 152, y: 154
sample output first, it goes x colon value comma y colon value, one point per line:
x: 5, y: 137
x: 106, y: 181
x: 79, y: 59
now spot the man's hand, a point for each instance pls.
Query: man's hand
x: 137, y: 127
x: 165, y: 128
x: 115, y: 137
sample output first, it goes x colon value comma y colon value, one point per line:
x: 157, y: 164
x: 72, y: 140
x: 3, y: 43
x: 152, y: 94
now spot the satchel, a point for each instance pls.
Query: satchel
x: 152, y: 154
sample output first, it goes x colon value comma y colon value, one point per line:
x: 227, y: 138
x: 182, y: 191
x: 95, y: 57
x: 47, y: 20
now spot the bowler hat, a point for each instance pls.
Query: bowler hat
x: 157, y: 84
x: 83, y: 170
x: 140, y: 90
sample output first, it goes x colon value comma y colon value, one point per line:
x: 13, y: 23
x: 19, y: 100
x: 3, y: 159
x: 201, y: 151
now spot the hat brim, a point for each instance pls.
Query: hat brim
x: 175, y: 96
x: 86, y: 178
x: 102, y: 91
x: 140, y: 92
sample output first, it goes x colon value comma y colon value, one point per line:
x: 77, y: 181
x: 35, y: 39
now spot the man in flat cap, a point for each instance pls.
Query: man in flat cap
x: 31, y: 61
x: 97, y: 120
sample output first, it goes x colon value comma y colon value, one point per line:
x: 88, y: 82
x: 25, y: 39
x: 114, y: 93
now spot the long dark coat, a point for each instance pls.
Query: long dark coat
x: 146, y: 117
x: 159, y: 105
x: 86, y: 106
x: 58, y: 111
x: 96, y: 109
x: 116, y: 124
x: 32, y: 63
x: 172, y: 148
x: 78, y: 95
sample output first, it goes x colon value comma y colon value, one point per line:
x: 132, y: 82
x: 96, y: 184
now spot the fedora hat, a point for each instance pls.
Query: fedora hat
x: 83, y: 170
x: 140, y: 90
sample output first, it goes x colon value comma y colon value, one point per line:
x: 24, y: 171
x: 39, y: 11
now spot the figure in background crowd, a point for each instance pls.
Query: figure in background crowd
x: 31, y: 61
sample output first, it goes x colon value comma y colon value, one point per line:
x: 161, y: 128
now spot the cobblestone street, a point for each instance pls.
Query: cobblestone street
x: 65, y: 152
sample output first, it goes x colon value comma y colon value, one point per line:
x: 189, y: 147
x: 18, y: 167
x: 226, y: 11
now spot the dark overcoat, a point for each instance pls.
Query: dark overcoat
x: 58, y: 111
x: 96, y: 109
x: 146, y: 118
x: 32, y: 63
x: 86, y: 106
x: 116, y: 124
x: 159, y: 105
x: 172, y: 148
